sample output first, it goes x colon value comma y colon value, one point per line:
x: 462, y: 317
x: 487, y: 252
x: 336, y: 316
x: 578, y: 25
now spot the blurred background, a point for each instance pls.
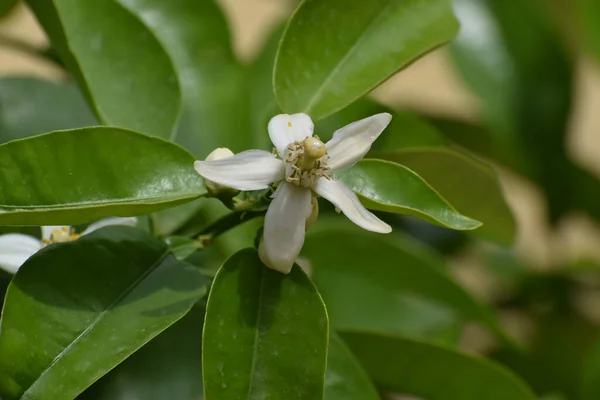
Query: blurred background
x: 548, y: 282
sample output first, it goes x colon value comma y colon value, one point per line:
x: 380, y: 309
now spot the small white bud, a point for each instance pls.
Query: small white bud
x: 214, y: 188
x: 219, y: 154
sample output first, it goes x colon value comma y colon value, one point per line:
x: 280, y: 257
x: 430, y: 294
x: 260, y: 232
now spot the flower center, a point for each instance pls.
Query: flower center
x: 61, y: 235
x: 306, y: 162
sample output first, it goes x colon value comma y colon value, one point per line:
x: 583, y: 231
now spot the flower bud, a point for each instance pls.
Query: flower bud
x: 313, y: 215
x: 214, y: 188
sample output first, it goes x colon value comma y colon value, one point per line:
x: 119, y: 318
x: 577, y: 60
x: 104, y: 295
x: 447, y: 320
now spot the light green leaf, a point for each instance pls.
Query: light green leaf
x: 387, y: 284
x: 346, y: 379
x: 265, y: 333
x: 30, y: 106
x: 196, y: 37
x: 464, y: 182
x: 433, y: 372
x: 391, y: 187
x: 89, y: 305
x: 76, y: 176
x: 335, y: 51
x: 128, y: 77
x: 169, y: 367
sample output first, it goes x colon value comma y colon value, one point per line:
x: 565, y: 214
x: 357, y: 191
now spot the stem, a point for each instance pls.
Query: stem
x: 226, y: 223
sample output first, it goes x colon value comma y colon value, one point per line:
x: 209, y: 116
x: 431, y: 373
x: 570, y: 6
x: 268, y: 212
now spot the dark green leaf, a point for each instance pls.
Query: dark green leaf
x: 387, y: 283
x: 30, y: 106
x: 589, y: 19
x: 169, y: 367
x: 433, y: 372
x: 464, y: 182
x: 89, y: 304
x: 335, y: 51
x: 265, y: 333
x: 128, y: 77
x: 76, y: 176
x: 195, y: 35
x: 391, y: 187
x: 346, y: 379
x: 6, y: 6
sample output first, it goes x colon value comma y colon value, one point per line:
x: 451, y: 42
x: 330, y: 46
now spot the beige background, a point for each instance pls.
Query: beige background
x: 429, y: 83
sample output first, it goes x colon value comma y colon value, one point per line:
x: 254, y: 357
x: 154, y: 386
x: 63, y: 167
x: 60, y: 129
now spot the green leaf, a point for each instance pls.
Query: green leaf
x: 196, y: 37
x: 89, y: 304
x: 126, y: 74
x: 346, y: 379
x: 433, y: 372
x: 76, y: 176
x: 391, y: 187
x: 265, y: 333
x: 405, y: 131
x: 387, y: 284
x: 6, y: 7
x: 30, y: 106
x: 335, y: 51
x: 168, y: 367
x: 464, y: 182
x: 589, y: 18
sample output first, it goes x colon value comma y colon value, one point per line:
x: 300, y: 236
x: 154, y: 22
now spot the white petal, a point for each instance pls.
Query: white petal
x: 350, y: 143
x: 249, y: 170
x: 283, y: 235
x: 346, y: 200
x: 128, y: 221
x: 15, y: 249
x: 47, y: 230
x: 285, y: 129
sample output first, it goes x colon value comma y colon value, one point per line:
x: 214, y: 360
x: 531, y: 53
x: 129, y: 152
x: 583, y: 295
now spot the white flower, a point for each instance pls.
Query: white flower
x: 303, y: 168
x: 16, y: 248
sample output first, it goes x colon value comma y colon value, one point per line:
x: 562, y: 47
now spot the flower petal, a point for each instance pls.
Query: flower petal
x: 248, y: 170
x: 283, y: 235
x: 350, y: 143
x: 285, y: 129
x: 347, y: 201
x: 15, y: 249
x: 47, y: 230
x: 128, y: 221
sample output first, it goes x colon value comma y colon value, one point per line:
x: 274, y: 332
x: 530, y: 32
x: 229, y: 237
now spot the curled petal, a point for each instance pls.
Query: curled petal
x: 350, y: 143
x: 347, y: 201
x: 129, y: 221
x: 283, y: 234
x: 285, y: 129
x: 47, y: 230
x: 249, y: 170
x: 15, y: 249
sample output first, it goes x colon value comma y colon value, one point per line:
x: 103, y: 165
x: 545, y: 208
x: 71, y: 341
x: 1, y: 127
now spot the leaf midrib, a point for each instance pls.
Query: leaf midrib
x: 97, y: 320
x: 256, y: 331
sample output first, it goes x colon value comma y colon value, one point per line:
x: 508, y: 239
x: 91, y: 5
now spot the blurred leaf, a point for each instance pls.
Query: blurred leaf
x: 464, y: 182
x: 109, y: 52
x: 405, y: 131
x: 6, y: 7
x: 436, y: 373
x: 387, y: 284
x: 346, y: 379
x: 589, y: 19
x: 30, y: 106
x: 265, y: 333
x: 82, y: 322
x: 591, y: 374
x: 182, y: 247
x: 196, y: 37
x: 333, y: 52
x: 166, y: 222
x: 168, y: 367
x: 391, y: 187
x: 76, y: 176
x: 510, y: 55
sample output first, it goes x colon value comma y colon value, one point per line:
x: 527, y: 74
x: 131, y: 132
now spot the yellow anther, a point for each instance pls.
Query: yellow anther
x: 289, y: 124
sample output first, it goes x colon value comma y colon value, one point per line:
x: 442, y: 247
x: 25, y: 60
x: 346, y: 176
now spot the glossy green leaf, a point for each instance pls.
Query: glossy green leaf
x: 387, y: 284
x: 30, y: 106
x: 76, y: 176
x: 391, y: 187
x: 335, y: 51
x: 168, y: 367
x: 464, y: 182
x: 128, y: 77
x: 265, y: 333
x: 433, y: 372
x: 405, y: 131
x: 346, y: 379
x: 89, y: 304
x: 196, y: 37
